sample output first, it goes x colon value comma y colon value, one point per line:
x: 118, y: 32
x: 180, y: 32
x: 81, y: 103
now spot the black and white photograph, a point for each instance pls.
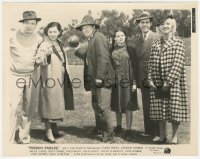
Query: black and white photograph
x: 100, y: 79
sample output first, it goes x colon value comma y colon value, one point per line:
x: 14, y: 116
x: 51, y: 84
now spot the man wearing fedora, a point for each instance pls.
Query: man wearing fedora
x: 98, y: 75
x: 143, y: 48
x: 23, y: 48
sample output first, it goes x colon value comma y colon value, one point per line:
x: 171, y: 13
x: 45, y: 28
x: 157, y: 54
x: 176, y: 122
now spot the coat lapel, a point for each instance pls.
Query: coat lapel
x: 147, y: 44
x: 139, y: 46
x: 170, y: 41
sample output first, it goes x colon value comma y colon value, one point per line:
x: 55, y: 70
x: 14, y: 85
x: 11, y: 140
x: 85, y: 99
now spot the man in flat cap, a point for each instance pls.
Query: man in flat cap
x: 143, y: 48
x: 98, y: 75
x: 23, y: 47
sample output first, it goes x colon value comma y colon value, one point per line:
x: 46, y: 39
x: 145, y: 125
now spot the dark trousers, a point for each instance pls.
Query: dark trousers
x: 150, y: 126
x: 101, y: 98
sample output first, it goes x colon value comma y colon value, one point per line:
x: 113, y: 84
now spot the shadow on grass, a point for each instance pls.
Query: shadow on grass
x: 78, y: 134
x: 84, y: 132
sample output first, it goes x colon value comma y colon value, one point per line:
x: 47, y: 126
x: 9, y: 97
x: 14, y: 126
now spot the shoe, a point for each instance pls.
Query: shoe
x: 118, y: 129
x: 156, y: 138
x: 57, y: 135
x: 96, y: 131
x: 50, y: 141
x: 108, y: 137
x: 174, y: 142
x: 145, y: 134
x: 128, y: 135
x: 161, y: 141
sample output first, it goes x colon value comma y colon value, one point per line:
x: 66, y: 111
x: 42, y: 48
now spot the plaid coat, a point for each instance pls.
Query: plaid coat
x: 171, y: 61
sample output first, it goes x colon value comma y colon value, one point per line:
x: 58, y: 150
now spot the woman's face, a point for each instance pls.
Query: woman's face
x: 53, y: 33
x: 120, y: 37
x: 166, y: 27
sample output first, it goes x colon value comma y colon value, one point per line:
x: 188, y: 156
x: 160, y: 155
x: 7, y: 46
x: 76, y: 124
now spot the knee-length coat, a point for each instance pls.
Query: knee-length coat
x: 125, y: 66
x: 54, y: 98
x: 171, y: 60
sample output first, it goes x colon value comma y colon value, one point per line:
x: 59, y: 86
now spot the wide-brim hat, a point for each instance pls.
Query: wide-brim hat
x: 29, y: 15
x: 163, y: 17
x: 144, y: 15
x: 87, y: 20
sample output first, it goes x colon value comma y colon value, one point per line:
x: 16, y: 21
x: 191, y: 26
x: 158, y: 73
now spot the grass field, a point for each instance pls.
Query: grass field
x: 79, y: 123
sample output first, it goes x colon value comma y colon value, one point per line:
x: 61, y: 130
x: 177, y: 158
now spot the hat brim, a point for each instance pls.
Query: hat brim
x: 79, y: 27
x: 37, y: 19
x: 139, y: 19
x: 160, y: 22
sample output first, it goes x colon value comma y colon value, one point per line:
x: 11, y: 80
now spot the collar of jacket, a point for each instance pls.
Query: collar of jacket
x: 92, y: 35
x: 49, y: 42
x: 147, y: 35
x: 171, y: 40
x: 116, y: 46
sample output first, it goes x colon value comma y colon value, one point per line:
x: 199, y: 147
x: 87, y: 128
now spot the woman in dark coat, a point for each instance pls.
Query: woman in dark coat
x: 124, y: 97
x: 167, y: 78
x: 54, y: 98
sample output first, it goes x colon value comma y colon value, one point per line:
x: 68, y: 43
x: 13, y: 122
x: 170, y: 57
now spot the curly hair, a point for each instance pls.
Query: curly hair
x: 173, y: 23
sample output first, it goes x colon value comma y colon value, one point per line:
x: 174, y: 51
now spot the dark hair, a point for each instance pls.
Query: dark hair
x: 51, y: 25
x: 114, y: 35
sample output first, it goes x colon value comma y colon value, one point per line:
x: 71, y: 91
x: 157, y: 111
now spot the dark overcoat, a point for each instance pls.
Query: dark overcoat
x: 143, y: 49
x: 97, y: 61
x: 129, y: 101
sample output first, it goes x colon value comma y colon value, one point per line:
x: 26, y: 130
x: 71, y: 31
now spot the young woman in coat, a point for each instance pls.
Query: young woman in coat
x: 54, y: 77
x: 125, y: 66
x: 167, y: 77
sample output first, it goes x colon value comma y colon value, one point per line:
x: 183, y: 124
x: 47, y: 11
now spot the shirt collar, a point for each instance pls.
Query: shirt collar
x: 92, y: 35
x: 147, y: 34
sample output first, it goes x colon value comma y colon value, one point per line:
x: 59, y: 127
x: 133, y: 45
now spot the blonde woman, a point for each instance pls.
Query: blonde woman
x: 167, y: 79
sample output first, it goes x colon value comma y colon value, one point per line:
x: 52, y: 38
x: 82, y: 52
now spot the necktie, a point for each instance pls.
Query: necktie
x: 144, y: 37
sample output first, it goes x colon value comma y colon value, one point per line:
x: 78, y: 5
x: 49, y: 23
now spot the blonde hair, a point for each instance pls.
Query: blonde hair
x: 174, y: 26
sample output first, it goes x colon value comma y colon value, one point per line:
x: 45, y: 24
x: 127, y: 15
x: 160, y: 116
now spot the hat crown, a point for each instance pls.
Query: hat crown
x: 163, y: 16
x: 88, y: 19
x: 29, y: 14
x: 144, y: 14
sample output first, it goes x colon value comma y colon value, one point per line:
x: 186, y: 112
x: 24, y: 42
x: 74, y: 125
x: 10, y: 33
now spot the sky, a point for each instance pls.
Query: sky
x: 63, y: 12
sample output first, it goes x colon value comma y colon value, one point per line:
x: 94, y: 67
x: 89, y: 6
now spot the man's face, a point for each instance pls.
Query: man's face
x: 29, y: 26
x: 144, y: 25
x: 88, y: 30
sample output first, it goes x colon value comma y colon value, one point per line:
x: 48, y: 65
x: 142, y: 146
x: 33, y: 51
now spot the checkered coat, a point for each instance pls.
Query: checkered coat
x: 172, y: 66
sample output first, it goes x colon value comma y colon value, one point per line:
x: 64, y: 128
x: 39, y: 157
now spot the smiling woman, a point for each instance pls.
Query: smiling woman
x: 53, y: 63
x: 167, y: 62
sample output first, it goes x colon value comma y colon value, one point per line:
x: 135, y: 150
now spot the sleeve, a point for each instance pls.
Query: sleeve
x: 102, y: 56
x: 39, y: 40
x: 178, y: 63
x: 41, y: 56
x: 81, y: 52
x: 12, y: 34
x: 67, y: 64
x: 134, y: 64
